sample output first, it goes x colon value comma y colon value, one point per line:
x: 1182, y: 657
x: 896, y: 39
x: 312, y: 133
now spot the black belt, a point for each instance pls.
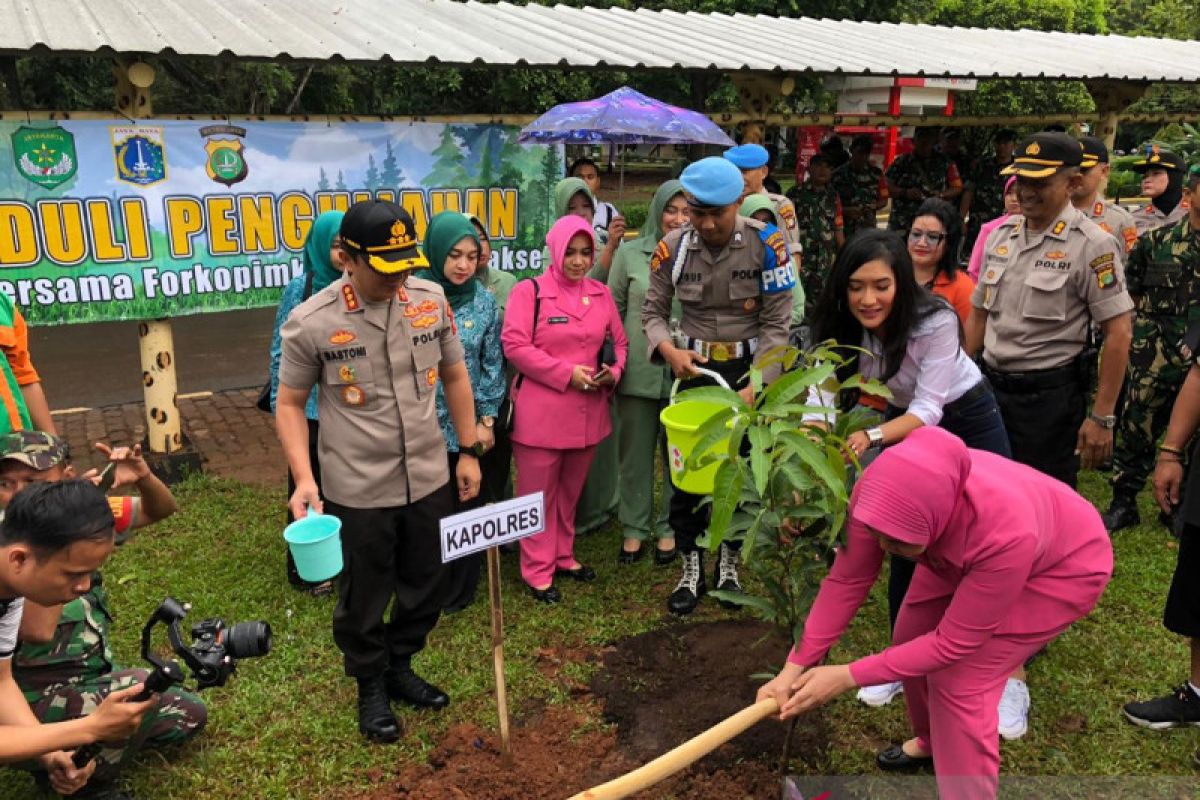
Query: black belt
x: 1037, y: 380
x: 976, y: 392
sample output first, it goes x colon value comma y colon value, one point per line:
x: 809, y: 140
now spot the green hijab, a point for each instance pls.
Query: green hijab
x: 316, y: 250
x: 760, y: 202
x: 567, y: 188
x: 652, y: 231
x: 445, y: 231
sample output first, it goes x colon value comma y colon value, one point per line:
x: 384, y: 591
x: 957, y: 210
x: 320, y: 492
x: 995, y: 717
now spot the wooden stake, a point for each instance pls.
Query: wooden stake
x: 691, y: 750
x: 493, y: 568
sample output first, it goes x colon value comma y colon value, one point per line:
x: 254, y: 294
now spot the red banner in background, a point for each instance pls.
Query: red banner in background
x: 808, y: 144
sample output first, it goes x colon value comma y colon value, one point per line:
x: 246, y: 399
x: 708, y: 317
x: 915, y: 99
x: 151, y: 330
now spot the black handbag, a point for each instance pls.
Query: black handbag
x: 511, y: 415
x: 608, y: 354
x: 263, y: 403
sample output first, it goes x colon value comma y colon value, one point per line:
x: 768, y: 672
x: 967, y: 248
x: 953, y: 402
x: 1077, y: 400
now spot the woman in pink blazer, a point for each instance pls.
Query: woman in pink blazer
x: 1007, y: 559
x: 561, y: 395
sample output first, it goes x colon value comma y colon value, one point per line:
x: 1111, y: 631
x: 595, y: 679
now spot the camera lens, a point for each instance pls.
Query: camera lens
x: 249, y: 639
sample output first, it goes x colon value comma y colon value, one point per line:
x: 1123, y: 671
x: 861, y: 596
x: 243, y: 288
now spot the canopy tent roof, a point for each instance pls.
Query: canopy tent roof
x: 503, y: 34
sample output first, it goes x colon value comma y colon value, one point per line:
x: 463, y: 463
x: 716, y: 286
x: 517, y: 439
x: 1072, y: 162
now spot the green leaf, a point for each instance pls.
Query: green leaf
x: 792, y: 385
x: 713, y: 394
x: 760, y: 457
x: 727, y: 489
x: 820, y: 464
x: 712, y: 431
x: 762, y: 605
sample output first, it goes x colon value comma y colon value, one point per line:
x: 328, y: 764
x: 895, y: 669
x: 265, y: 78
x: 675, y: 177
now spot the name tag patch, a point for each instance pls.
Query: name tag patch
x: 345, y: 354
x: 557, y: 320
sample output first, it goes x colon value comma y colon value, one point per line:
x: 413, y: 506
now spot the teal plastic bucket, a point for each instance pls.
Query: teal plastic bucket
x: 316, y: 545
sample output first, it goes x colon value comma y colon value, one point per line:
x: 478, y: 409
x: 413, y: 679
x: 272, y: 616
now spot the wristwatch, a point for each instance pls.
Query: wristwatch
x: 1108, y: 423
x: 875, y: 436
x: 477, y: 450
x: 487, y: 422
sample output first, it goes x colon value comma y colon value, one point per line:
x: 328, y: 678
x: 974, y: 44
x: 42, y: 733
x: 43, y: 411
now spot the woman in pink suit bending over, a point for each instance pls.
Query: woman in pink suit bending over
x: 1007, y: 559
x: 562, y: 393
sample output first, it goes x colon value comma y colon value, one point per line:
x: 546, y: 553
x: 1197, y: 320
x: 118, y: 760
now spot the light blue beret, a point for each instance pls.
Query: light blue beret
x: 713, y: 181
x: 748, y: 156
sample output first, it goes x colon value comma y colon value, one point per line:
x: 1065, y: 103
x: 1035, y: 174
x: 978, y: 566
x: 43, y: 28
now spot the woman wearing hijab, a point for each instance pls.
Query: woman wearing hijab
x: 1008, y: 559
x: 322, y: 266
x: 562, y: 394
x: 644, y: 388
x: 1162, y: 181
x: 600, y: 498
x: 452, y: 247
x: 496, y: 463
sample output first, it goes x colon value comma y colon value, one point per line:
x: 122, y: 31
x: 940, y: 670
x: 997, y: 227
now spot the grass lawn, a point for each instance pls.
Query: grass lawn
x: 284, y: 727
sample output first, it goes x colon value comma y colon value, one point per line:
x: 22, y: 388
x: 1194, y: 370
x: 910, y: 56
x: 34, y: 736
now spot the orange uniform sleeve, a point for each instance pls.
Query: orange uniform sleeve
x: 17, y: 352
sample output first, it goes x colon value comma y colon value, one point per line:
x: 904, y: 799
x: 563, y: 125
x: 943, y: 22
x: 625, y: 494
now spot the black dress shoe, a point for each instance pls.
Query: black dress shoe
x: 406, y: 686
x: 894, y: 759
x: 581, y: 573
x: 628, y: 557
x: 664, y: 557
x: 549, y: 595
x: 375, y: 718
x: 1120, y: 515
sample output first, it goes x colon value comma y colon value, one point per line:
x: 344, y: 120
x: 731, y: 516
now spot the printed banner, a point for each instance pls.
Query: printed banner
x: 109, y: 220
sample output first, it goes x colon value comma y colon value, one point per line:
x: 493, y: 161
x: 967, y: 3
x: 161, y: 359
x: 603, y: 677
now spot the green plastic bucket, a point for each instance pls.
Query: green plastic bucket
x: 316, y: 545
x: 682, y: 420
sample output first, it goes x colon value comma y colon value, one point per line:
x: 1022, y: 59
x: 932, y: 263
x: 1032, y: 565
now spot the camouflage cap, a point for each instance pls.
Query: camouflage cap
x: 36, y: 449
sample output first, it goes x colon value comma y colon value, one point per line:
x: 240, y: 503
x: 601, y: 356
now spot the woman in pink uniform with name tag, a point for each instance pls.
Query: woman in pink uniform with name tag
x: 554, y: 332
x: 1007, y: 559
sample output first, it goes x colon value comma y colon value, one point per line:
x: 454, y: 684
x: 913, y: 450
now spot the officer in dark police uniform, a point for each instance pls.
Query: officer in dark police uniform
x: 377, y: 342
x: 733, y: 278
x: 1048, y: 273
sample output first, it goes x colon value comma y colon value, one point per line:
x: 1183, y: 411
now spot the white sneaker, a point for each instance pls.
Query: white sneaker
x: 880, y: 695
x: 1014, y: 709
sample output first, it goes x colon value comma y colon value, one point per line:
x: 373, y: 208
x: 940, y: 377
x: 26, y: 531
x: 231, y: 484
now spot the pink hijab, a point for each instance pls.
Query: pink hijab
x: 975, y: 264
x: 560, y: 235
x: 912, y: 491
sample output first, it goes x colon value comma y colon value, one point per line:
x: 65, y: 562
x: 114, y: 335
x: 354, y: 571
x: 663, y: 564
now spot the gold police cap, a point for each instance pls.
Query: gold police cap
x: 1043, y: 154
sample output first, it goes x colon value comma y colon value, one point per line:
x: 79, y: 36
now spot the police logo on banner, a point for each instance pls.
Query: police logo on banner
x: 226, y: 161
x: 45, y: 156
x: 139, y: 154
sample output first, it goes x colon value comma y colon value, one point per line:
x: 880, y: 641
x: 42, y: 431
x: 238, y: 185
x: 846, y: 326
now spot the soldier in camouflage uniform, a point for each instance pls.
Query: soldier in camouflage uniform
x: 860, y: 187
x: 916, y: 176
x: 65, y: 667
x: 983, y: 197
x: 819, y: 220
x: 1164, y: 279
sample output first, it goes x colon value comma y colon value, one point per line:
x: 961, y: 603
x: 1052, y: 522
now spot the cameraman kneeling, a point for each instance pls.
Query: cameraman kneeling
x: 53, y: 537
x: 65, y: 664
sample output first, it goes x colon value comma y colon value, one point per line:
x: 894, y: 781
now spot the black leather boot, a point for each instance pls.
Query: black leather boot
x: 691, y: 586
x: 375, y: 718
x: 406, y: 686
x: 1123, y: 513
x: 725, y: 576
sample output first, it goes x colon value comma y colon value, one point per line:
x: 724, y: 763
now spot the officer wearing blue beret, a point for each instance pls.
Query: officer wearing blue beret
x: 752, y: 160
x: 733, y: 277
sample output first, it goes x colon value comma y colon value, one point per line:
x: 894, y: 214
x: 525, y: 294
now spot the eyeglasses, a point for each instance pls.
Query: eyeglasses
x: 933, y: 238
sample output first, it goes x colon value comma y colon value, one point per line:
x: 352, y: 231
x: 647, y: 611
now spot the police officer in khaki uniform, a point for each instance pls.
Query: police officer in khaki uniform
x: 733, y: 278
x: 753, y: 161
x: 1048, y: 273
x: 1088, y: 197
x: 377, y: 342
x: 1162, y: 181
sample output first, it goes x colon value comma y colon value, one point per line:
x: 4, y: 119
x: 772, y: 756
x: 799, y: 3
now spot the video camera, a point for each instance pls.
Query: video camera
x: 212, y: 656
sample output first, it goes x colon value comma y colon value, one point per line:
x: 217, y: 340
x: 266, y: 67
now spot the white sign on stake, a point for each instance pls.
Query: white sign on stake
x: 500, y: 523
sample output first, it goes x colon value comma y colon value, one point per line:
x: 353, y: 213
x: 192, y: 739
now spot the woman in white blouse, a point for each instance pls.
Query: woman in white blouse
x: 912, y: 342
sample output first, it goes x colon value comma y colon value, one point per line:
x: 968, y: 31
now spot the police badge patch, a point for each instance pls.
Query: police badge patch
x: 661, y: 254
x: 226, y: 162
x: 139, y: 154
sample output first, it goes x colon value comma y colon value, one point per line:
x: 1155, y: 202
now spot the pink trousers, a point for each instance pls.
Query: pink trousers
x: 953, y: 711
x: 559, y: 475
